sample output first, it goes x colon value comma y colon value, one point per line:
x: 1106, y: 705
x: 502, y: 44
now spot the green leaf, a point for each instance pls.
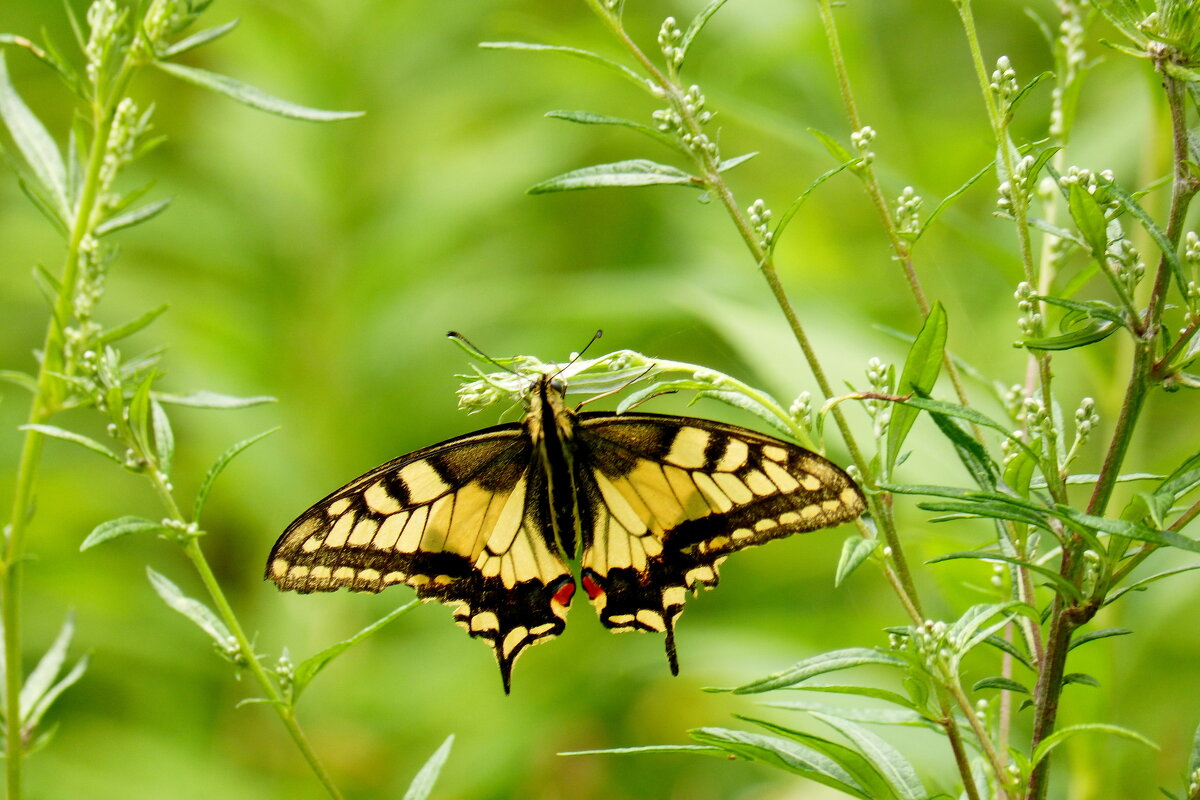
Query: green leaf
x: 1080, y: 678
x: 71, y: 436
x: 900, y: 774
x: 794, y: 208
x: 25, y: 381
x: 835, y: 148
x: 139, y: 412
x: 121, y: 526
x: 635, y: 172
x: 697, y: 24
x: 1063, y: 586
x: 203, y: 616
x: 587, y: 55
x: 965, y: 632
x: 855, y: 550
x: 819, y: 665
x: 861, y: 691
x: 38, y: 682
x: 853, y: 762
x: 164, y: 437
x: 1062, y: 734
x: 879, y: 716
x: 310, y: 667
x: 649, y: 748
x: 589, y: 118
x: 1185, y: 478
x: 129, y: 328
x: 1003, y: 684
x: 921, y: 368
x: 199, y: 38
x: 35, y: 144
x: 133, y: 217
x: 251, y: 96
x: 1138, y: 586
x: 783, y: 754
x: 1018, y: 473
x: 423, y: 783
x: 211, y: 400
x: 1010, y: 648
x: 1092, y: 636
x: 948, y: 199
x: 730, y: 163
x: 1089, y: 218
x: 1127, y: 529
x: 218, y: 467
x: 1095, y: 331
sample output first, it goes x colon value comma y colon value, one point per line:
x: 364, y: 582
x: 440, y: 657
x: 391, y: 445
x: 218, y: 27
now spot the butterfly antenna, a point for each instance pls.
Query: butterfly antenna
x: 620, y: 389
x: 579, y: 355
x: 470, y: 347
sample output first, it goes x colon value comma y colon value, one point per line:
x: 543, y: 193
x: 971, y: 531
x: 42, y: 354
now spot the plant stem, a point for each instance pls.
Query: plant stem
x: 714, y: 182
x: 875, y: 191
x: 247, y: 657
x: 45, y: 402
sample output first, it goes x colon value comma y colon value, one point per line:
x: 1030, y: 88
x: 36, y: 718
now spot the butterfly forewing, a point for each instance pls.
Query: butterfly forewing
x: 674, y: 496
x: 461, y: 522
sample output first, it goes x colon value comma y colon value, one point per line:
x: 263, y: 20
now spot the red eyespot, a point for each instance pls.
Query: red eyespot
x: 565, y: 593
x: 591, y: 587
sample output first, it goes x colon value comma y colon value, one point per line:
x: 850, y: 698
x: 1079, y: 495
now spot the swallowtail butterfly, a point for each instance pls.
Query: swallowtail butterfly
x: 650, y: 503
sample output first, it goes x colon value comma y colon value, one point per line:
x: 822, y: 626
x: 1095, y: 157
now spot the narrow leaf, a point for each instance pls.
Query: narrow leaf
x: 129, y: 328
x: 697, y: 24
x: 34, y: 714
x: 819, y: 665
x: 862, y: 691
x: 880, y: 716
x: 116, y: 528
x: 1092, y: 636
x: 42, y: 678
x: 1062, y: 734
x: 589, y: 118
x: 218, y: 467
x: 251, y: 96
x: 1168, y: 250
x: 164, y: 437
x: 27, y: 382
x: 203, y: 616
x: 1089, y: 217
x: 71, y: 436
x: 1004, y: 684
x: 855, y: 550
x: 1095, y: 331
x: 133, y: 217
x: 635, y: 172
x: 1127, y: 529
x: 34, y: 142
x: 1140, y: 585
x: 835, y: 148
x: 211, y: 400
x: 730, y: 163
x: 1063, y: 586
x: 587, y: 55
x: 1081, y: 678
x: 423, y: 783
x: 783, y: 754
x: 199, y: 38
x: 921, y: 368
x: 310, y: 667
x: 901, y: 775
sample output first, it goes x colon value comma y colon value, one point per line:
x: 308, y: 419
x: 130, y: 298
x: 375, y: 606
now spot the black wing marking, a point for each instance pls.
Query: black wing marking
x: 461, y: 522
x: 673, y: 496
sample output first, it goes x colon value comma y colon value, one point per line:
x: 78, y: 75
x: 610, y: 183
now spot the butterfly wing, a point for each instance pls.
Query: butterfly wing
x: 461, y: 522
x: 673, y: 496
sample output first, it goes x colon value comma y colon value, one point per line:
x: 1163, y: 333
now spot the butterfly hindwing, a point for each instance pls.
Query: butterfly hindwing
x: 461, y: 522
x: 672, y: 496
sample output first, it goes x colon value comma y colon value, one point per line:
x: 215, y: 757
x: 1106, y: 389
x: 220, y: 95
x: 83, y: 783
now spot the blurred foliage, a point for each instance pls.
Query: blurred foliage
x: 323, y: 264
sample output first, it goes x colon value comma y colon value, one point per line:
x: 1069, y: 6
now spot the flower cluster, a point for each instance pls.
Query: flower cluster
x: 1004, y: 81
x: 669, y: 40
x: 1030, y: 321
x: 908, y: 206
x: 760, y: 218
x: 861, y: 140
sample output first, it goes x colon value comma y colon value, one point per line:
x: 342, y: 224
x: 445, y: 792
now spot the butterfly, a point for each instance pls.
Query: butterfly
x: 651, y: 503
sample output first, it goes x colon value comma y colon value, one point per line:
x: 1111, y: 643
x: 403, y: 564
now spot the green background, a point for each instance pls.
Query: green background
x: 322, y: 265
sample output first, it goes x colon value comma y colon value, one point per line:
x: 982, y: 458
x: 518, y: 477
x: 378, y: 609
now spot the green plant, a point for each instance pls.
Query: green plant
x: 1061, y: 555
x: 82, y: 364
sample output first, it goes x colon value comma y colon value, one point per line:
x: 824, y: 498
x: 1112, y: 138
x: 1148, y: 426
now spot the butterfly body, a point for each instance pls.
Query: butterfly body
x: 649, y: 505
